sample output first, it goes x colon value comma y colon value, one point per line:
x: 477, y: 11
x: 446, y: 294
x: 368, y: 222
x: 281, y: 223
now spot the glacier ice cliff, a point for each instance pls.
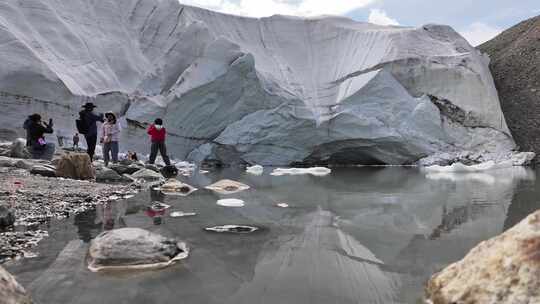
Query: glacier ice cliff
x: 272, y: 91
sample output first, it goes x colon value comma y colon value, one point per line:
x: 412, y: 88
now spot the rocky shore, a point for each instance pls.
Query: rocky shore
x: 31, y: 194
x: 32, y: 200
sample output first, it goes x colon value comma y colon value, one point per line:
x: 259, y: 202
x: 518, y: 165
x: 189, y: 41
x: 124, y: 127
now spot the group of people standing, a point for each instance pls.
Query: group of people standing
x: 109, y: 136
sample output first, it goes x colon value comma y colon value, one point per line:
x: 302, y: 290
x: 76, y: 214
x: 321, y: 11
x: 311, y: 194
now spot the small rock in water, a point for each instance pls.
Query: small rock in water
x: 134, y: 249
x: 174, y: 187
x: 159, y: 206
x: 227, y: 187
x: 182, y: 214
x: 231, y: 202
x: 232, y: 229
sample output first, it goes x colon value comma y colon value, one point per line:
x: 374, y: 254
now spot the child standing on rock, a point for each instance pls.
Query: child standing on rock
x: 76, y: 142
x: 110, y: 132
x: 157, y: 135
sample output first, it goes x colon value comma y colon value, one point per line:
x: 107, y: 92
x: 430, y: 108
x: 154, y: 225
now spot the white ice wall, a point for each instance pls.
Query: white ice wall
x: 276, y: 90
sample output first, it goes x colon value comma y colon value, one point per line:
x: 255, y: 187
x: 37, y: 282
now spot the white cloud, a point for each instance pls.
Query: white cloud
x: 478, y: 33
x: 265, y: 8
x: 377, y: 16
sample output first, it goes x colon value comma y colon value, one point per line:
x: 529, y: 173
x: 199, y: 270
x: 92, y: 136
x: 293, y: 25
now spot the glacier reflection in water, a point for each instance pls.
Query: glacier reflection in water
x: 366, y: 235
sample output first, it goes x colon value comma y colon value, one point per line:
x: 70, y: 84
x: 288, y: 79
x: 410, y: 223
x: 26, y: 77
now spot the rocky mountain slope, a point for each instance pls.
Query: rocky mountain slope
x: 515, y: 64
x: 274, y: 91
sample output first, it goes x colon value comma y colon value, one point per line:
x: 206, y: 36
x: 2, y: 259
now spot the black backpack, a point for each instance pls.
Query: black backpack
x: 81, y: 124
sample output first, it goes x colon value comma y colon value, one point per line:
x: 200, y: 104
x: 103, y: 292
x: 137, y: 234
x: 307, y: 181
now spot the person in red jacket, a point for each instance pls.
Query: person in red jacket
x: 157, y: 135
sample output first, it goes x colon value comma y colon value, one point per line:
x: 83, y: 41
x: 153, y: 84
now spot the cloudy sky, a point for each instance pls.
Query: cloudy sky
x: 477, y: 20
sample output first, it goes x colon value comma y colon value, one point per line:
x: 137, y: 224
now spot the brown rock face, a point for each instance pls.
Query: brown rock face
x: 515, y: 65
x: 75, y: 166
x: 504, y: 269
x: 10, y: 291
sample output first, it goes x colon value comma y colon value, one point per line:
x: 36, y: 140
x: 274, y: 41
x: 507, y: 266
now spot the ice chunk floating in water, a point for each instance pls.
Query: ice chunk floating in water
x: 182, y: 214
x: 231, y: 202
x: 316, y: 171
x: 232, y: 229
x: 255, y: 170
x: 459, y: 167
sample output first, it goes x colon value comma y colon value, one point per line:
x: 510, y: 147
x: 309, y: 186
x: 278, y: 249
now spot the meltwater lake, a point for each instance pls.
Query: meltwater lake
x: 358, y: 235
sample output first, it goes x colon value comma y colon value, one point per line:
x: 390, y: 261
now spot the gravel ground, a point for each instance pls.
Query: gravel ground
x: 36, y: 200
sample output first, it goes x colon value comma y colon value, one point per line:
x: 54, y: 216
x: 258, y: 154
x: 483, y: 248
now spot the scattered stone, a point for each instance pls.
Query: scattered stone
x: 75, y: 166
x: 227, y: 186
x: 7, y: 216
x: 7, y: 161
x: 255, y: 170
x: 18, y: 149
x: 147, y: 175
x: 152, y: 167
x: 15, y: 244
x: 174, y: 187
x: 232, y: 229
x: 169, y: 171
x: 182, y: 214
x: 24, y: 164
x: 134, y: 249
x: 231, y: 202
x: 105, y: 174
x: 12, y: 292
x: 501, y: 270
x: 43, y: 170
x: 124, y: 169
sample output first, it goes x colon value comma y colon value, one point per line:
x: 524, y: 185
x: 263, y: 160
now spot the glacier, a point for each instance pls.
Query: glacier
x: 273, y: 91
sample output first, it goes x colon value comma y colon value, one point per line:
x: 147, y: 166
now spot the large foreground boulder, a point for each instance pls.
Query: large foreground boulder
x: 10, y: 291
x: 502, y: 270
x: 133, y: 249
x: 75, y: 166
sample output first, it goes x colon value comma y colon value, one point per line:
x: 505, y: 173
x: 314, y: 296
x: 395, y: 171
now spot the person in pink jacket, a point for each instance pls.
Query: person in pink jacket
x: 110, y: 133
